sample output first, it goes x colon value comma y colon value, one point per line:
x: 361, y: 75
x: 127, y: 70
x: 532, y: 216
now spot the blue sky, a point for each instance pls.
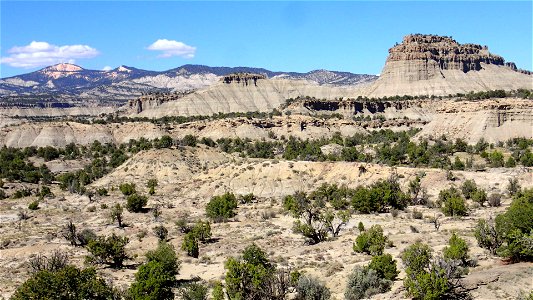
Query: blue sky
x: 280, y: 36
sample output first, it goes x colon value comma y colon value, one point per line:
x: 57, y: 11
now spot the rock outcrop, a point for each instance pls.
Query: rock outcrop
x: 438, y: 65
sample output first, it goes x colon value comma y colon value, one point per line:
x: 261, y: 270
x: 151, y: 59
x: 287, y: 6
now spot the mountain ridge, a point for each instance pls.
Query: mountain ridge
x: 126, y: 82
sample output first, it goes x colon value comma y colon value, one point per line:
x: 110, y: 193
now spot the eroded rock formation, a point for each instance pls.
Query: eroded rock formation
x: 439, y: 65
x: 244, y: 78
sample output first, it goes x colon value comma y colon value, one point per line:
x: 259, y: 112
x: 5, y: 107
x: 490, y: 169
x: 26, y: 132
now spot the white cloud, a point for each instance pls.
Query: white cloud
x: 172, y: 48
x: 38, y: 54
x: 107, y: 68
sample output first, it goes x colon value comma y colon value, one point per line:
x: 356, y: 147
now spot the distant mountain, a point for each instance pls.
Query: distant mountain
x: 69, y: 80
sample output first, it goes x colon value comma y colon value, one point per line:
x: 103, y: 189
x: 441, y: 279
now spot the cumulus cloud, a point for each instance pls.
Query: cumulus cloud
x: 38, y: 54
x: 172, y: 48
x: 107, y: 68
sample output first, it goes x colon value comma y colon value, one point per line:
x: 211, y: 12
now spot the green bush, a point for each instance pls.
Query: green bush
x: 218, y: 291
x: 515, y: 226
x: 189, y: 140
x: 487, y: 237
x: 451, y: 202
x: 423, y: 280
x: 365, y: 282
x: 135, y: 203
x: 385, y: 266
x: 202, y: 231
x: 155, y: 279
x: 190, y: 244
x: 479, y: 196
x: 457, y: 250
x: 151, y: 184
x: 66, y: 283
x: 379, y: 197
x: 371, y: 241
x: 34, y: 205
x: 468, y: 188
x: 250, y: 276
x: 109, y: 251
x: 102, y: 191
x: 127, y: 189
x: 222, y: 207
x: 193, y: 291
x: 309, y: 288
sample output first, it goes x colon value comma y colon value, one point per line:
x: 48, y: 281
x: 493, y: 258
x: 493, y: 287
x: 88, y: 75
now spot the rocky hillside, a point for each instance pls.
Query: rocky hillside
x: 228, y: 96
x: 439, y: 65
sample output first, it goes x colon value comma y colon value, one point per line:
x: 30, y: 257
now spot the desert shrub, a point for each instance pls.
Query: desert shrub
x: 102, y: 191
x: 314, y: 219
x: 34, y: 205
x: 222, y: 207
x: 451, y: 202
x: 309, y: 288
x: 156, y: 278
x: 495, y: 200
x: 151, y: 184
x: 135, y: 203
x: 365, y: 282
x: 193, y: 291
x: 116, y: 214
x: 107, y: 250
x: 249, y: 276
x: 202, y: 231
x: 53, y: 263
x: 85, y: 236
x: 416, y: 257
x: 516, y: 228
x: 161, y: 232
x: 218, y: 291
x: 371, y: 241
x: 420, y: 283
x: 78, y: 284
x: 417, y: 214
x: 70, y: 234
x: 468, y: 188
x: 127, y: 189
x: 385, y: 266
x: 183, y: 225
x: 479, y: 196
x: 496, y: 159
x: 457, y: 249
x: 510, y: 162
x: 458, y: 164
x: 379, y: 197
x: 486, y: 235
x: 189, y: 140
x: 513, y: 187
x: 361, y: 226
x: 190, y: 244
x: 44, y: 192
x: 2, y: 195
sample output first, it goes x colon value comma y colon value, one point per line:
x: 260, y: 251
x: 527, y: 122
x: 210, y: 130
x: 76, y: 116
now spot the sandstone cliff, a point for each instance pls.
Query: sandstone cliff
x: 437, y: 65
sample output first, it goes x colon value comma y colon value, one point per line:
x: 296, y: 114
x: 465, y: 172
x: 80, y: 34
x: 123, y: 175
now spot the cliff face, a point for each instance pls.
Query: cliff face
x: 439, y: 65
x: 442, y: 53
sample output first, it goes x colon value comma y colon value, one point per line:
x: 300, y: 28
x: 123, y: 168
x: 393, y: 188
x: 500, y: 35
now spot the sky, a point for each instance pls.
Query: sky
x: 351, y: 36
